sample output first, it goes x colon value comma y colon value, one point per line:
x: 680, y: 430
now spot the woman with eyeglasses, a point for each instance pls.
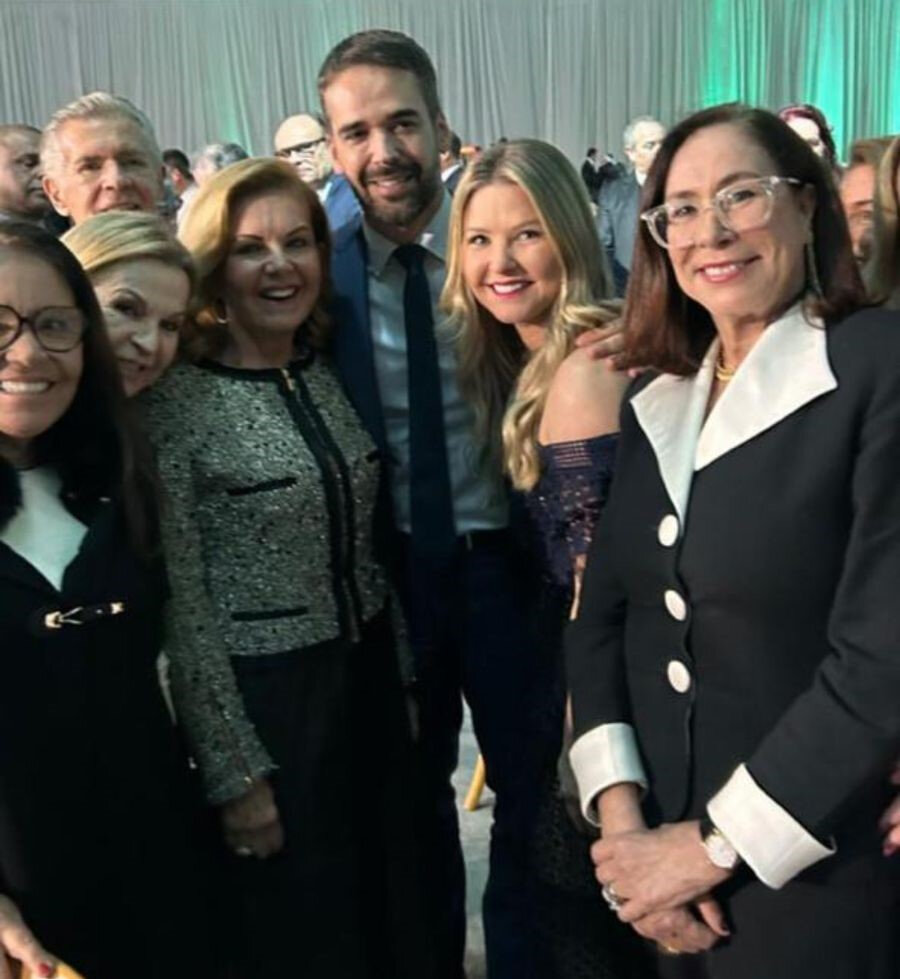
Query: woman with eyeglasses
x: 99, y: 852
x: 735, y: 668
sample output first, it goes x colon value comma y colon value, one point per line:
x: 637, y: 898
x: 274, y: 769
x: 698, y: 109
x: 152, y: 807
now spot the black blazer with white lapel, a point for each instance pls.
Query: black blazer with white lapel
x: 739, y: 634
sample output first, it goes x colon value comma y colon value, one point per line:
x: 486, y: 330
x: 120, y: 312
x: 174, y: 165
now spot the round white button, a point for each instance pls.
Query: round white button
x: 679, y: 676
x: 667, y: 532
x: 676, y: 605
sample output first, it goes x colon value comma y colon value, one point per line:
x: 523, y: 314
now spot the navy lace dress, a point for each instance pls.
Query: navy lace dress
x: 579, y: 937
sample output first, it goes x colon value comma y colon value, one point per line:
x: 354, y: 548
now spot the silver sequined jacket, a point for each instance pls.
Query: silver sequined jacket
x: 270, y: 483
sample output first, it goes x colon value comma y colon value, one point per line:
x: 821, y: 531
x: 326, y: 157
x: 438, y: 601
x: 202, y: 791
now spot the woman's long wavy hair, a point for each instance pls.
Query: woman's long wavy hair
x: 507, y: 388
x: 206, y: 233
x: 882, y: 271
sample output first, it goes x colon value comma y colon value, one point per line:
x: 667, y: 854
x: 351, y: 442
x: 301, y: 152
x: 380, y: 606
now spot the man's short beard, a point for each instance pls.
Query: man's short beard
x: 403, y: 213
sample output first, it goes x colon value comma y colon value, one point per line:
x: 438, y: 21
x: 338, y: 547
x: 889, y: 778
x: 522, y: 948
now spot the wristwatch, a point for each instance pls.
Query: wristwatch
x: 718, y: 848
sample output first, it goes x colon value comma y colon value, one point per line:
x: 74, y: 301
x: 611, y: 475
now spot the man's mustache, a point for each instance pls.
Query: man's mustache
x: 389, y: 171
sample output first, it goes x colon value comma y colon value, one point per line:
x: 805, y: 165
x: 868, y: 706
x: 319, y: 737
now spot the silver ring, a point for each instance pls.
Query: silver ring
x: 611, y: 898
x: 243, y: 851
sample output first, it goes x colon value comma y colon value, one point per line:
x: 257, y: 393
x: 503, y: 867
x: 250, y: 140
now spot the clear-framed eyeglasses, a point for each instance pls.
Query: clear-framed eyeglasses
x: 741, y: 206
x: 57, y: 329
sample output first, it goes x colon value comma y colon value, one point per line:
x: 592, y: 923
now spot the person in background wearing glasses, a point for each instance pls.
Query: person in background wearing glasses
x: 301, y: 141
x: 100, y: 852
x: 620, y: 197
x: 734, y: 668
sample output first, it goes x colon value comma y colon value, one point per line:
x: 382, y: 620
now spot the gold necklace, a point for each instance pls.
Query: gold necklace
x: 723, y: 373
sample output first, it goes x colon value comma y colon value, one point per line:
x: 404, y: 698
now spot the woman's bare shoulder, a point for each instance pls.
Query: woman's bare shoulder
x: 584, y: 399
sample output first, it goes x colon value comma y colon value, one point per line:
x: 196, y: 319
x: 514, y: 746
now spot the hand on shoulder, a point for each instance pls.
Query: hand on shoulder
x: 583, y: 401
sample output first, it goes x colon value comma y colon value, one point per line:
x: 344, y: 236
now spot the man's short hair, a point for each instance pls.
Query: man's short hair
x: 221, y: 155
x: 178, y: 160
x: 17, y: 129
x: 95, y: 105
x: 383, y: 49
x: 592, y: 151
x: 628, y: 134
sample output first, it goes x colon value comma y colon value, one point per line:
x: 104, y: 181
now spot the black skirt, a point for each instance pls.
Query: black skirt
x: 341, y: 899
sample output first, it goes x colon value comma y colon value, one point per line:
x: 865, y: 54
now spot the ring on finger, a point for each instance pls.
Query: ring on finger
x: 669, y: 949
x: 612, y: 899
x: 243, y: 851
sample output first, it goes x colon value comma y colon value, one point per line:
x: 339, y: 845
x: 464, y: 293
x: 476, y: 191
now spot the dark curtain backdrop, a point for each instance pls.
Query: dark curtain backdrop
x: 570, y: 71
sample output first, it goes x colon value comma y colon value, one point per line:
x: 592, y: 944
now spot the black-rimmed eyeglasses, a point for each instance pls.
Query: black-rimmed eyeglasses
x: 57, y: 329
x: 300, y: 149
x: 741, y: 206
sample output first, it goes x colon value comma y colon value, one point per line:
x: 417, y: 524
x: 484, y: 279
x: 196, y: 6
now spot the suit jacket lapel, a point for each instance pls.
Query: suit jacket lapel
x: 670, y: 410
x: 352, y: 338
x: 786, y: 369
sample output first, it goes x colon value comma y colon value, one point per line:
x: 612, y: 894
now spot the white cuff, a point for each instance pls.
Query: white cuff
x: 605, y: 756
x: 768, y: 838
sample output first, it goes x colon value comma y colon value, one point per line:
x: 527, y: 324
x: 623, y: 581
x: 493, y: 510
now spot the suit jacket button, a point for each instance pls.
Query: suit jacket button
x: 675, y: 605
x: 679, y: 676
x: 667, y: 533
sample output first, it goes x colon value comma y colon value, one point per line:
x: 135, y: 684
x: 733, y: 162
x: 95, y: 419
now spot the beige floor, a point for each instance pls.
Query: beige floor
x: 475, y: 830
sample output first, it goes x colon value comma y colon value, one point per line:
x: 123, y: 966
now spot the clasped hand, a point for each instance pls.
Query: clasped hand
x: 661, y: 877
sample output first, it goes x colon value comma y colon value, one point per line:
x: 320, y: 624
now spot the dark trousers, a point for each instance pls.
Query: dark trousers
x: 467, y: 622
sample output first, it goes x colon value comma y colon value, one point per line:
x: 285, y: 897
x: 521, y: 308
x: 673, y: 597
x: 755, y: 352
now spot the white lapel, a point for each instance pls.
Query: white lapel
x: 670, y: 410
x: 786, y: 368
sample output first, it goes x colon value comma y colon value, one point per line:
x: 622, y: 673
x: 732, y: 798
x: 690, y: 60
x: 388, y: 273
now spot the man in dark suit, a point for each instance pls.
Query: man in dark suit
x: 301, y: 141
x: 451, y: 164
x: 451, y: 550
x: 619, y: 201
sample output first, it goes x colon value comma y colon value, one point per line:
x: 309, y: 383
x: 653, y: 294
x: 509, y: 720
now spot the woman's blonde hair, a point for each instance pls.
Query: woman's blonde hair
x: 506, y: 388
x: 208, y: 226
x: 126, y: 236
x: 882, y: 271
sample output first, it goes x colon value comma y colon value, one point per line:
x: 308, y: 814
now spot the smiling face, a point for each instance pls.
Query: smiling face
x: 144, y: 304
x: 21, y: 192
x: 508, y: 260
x: 104, y: 164
x: 737, y: 277
x: 386, y: 143
x: 36, y: 387
x: 273, y: 271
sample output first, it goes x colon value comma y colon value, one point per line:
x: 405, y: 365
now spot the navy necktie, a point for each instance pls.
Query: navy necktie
x: 431, y: 502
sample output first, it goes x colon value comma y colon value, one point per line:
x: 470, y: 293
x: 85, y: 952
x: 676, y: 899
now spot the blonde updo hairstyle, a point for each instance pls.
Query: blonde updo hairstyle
x: 507, y: 388
x: 207, y: 232
x: 126, y: 236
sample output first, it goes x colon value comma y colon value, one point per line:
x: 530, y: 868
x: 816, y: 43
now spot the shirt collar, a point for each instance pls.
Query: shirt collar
x: 787, y: 368
x: 433, y: 239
